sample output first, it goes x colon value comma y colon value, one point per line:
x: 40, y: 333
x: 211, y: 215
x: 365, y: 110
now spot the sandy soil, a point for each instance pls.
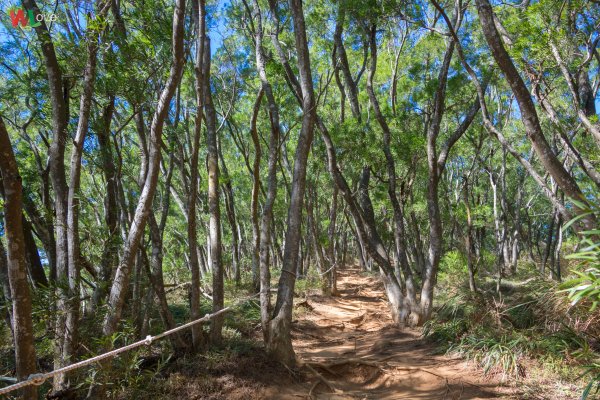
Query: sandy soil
x: 350, y: 350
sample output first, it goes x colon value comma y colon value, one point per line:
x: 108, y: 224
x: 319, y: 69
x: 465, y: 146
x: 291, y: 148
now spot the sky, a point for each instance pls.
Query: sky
x: 217, y: 30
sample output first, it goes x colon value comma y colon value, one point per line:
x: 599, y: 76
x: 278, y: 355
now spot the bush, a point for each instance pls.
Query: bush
x: 585, y: 288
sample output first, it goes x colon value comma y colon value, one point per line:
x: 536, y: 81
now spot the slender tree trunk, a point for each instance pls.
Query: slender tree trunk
x: 155, y: 267
x: 119, y: 288
x: 231, y: 217
x: 529, y: 115
x: 213, y: 198
x: 72, y: 320
x: 399, y: 235
x: 155, y: 275
x: 280, y: 343
x: 433, y: 208
x: 199, y: 16
x: 34, y: 263
x: 351, y: 90
x: 254, y: 202
x: 469, y: 238
x: 22, y: 325
x: 56, y: 156
x: 548, y: 247
x: 266, y: 220
x: 111, y: 247
x: 556, y: 272
x: 5, y: 298
x: 331, y: 233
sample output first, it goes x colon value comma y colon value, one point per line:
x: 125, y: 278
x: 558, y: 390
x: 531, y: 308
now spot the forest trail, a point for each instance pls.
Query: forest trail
x: 352, y: 351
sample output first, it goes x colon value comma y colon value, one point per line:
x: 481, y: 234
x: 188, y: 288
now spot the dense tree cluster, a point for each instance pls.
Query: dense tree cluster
x: 148, y: 144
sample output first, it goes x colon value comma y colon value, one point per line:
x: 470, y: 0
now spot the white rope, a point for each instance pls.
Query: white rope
x: 38, y: 379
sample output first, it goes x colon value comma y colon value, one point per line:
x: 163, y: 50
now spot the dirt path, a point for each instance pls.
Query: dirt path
x: 352, y: 351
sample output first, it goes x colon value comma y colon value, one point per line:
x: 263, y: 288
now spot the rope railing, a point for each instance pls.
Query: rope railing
x: 40, y: 378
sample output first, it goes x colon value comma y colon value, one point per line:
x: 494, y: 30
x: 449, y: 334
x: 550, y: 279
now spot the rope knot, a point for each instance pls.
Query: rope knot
x: 148, y: 340
x: 37, y: 379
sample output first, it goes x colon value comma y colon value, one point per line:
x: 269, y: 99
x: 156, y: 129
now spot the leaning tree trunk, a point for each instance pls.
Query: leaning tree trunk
x: 399, y: 232
x: 22, y: 325
x: 351, y: 90
x: 34, y: 262
x: 280, y: 341
x: 266, y: 220
x: 155, y: 272
x: 121, y: 282
x: 529, y: 115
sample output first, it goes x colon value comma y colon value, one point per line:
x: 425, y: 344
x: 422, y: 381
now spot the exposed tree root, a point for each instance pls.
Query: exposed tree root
x: 322, y: 379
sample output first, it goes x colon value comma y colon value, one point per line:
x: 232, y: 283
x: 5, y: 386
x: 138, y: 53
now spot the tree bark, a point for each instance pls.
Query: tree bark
x: 199, y: 17
x: 231, y: 217
x: 435, y: 171
x: 529, y: 115
x: 34, y: 263
x: 331, y: 233
x: 22, y: 325
x: 351, y: 90
x: 56, y: 156
x: 69, y: 346
x: 280, y: 343
x: 111, y: 218
x: 254, y: 202
x: 399, y: 231
x: 216, y: 258
x: 119, y: 288
x: 469, y: 238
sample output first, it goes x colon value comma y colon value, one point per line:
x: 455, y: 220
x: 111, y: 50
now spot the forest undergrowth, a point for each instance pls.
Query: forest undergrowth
x: 529, y: 340
x: 529, y: 333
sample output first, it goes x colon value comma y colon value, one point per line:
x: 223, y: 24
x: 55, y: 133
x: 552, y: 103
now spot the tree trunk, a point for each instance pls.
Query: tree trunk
x: 433, y: 208
x: 111, y: 218
x: 529, y: 115
x: 56, y: 156
x: 216, y: 325
x: 351, y: 90
x: 254, y: 202
x: 231, y: 217
x: 5, y: 297
x: 331, y: 234
x: 399, y: 232
x: 199, y: 17
x: 280, y: 343
x: 22, y: 325
x: 119, y: 288
x: 34, y: 263
x: 69, y: 347
x: 155, y: 269
x: 469, y: 238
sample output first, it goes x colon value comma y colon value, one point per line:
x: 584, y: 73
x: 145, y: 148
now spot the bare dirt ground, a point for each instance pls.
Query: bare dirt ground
x: 347, y: 348
x: 350, y: 350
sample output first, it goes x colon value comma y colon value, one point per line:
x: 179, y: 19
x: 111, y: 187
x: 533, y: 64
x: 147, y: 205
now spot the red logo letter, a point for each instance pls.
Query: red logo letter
x: 18, y: 17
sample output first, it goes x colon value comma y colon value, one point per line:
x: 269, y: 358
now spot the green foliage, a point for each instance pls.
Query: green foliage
x: 585, y: 287
x: 531, y: 323
x: 492, y: 354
